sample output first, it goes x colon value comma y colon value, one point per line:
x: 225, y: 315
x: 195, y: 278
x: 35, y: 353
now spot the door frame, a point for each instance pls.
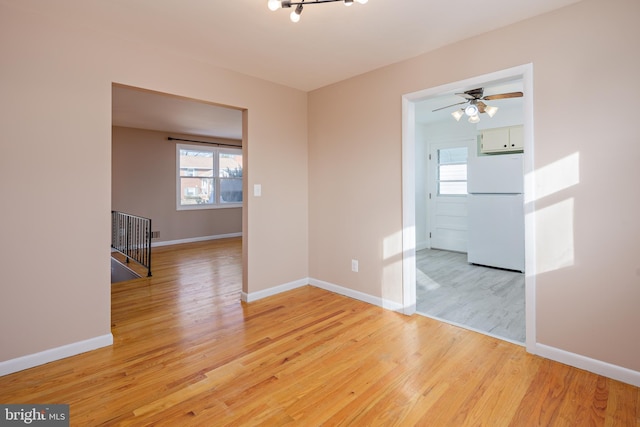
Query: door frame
x: 525, y: 73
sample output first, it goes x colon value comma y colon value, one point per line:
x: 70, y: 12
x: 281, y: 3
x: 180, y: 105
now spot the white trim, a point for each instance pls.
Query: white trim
x: 529, y: 212
x: 408, y: 206
x: 592, y: 365
x: 336, y: 289
x: 254, y: 296
x: 53, y: 354
x: 195, y: 239
x: 361, y: 296
x: 525, y: 72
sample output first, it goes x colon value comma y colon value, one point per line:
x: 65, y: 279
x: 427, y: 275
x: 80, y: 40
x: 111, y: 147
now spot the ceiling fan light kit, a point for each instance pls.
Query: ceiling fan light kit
x: 490, y: 110
x: 274, y: 5
x: 458, y: 114
x: 474, y: 98
x: 471, y: 110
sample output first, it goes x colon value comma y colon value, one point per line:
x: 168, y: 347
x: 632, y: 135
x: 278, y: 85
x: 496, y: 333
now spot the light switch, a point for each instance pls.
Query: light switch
x: 257, y: 190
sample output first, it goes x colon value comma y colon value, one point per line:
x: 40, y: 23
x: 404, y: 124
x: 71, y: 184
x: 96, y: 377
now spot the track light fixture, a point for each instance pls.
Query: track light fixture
x: 295, y: 15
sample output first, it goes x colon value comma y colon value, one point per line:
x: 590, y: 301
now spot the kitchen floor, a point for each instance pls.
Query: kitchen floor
x: 484, y: 299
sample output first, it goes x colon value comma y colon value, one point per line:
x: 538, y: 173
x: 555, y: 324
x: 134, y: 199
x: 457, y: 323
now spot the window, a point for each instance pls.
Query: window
x: 208, y: 177
x: 452, y: 171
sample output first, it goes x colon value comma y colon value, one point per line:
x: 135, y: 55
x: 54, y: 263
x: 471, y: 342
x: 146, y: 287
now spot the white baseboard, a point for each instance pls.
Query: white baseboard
x: 254, y: 296
x: 592, y: 365
x: 361, y: 296
x: 31, y: 360
x: 195, y: 239
x: 380, y: 302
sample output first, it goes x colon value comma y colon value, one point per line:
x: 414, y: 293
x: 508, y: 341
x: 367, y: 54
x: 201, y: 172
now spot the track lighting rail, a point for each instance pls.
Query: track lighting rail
x: 295, y: 15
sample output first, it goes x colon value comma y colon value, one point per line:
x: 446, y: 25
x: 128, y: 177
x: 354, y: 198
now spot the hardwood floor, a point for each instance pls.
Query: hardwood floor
x: 187, y: 352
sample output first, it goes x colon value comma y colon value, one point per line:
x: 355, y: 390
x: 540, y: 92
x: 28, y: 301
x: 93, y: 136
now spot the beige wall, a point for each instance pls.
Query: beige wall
x: 56, y: 124
x: 336, y: 197
x: 585, y: 64
x: 143, y: 168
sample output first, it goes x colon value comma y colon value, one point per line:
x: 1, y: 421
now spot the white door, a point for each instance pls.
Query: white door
x: 447, y: 198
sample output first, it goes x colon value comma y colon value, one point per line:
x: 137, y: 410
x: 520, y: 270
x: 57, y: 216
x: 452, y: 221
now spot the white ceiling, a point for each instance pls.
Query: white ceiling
x: 143, y: 109
x: 329, y: 44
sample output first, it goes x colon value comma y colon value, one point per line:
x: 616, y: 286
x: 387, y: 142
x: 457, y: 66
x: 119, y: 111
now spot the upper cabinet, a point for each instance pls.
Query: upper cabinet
x: 502, y: 139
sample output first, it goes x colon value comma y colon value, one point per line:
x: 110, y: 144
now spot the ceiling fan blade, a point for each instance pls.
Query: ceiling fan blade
x: 472, y: 94
x: 481, y: 106
x: 503, y: 96
x: 466, y: 96
x: 442, y: 108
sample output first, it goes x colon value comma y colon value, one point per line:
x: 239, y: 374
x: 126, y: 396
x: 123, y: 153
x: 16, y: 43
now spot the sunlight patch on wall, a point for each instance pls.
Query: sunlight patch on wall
x: 555, y: 242
x: 392, y: 245
x: 554, y: 224
x: 392, y: 256
x: 554, y: 177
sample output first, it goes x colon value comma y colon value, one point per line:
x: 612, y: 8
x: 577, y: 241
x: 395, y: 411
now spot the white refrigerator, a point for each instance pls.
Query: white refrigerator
x: 496, y: 211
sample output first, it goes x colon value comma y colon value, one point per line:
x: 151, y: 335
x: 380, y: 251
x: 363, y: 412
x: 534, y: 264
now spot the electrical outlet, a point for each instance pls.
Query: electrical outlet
x: 354, y: 265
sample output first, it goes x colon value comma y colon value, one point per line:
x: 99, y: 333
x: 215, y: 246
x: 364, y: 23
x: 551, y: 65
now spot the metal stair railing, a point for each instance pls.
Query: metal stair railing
x: 131, y: 236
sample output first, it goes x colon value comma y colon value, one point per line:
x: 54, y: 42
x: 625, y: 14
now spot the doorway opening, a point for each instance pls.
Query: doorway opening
x: 416, y: 238
x: 148, y: 181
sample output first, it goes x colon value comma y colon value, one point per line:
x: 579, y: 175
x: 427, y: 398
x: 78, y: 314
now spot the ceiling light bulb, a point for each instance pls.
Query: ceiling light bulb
x: 474, y: 119
x: 348, y: 2
x: 491, y: 111
x: 274, y: 5
x: 362, y: 1
x: 457, y: 114
x: 471, y: 110
x: 295, y: 15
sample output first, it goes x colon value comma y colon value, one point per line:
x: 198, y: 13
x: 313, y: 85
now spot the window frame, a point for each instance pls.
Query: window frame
x: 215, y: 151
x: 439, y: 181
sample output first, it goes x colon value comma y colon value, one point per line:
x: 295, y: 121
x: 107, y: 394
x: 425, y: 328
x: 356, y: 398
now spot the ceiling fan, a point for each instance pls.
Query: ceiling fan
x: 474, y: 98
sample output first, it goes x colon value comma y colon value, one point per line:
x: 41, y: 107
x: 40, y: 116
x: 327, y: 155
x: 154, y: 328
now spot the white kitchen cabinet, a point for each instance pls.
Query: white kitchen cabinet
x: 502, y: 139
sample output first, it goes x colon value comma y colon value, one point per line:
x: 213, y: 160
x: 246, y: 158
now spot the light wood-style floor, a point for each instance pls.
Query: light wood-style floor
x: 479, y: 298
x: 187, y: 352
